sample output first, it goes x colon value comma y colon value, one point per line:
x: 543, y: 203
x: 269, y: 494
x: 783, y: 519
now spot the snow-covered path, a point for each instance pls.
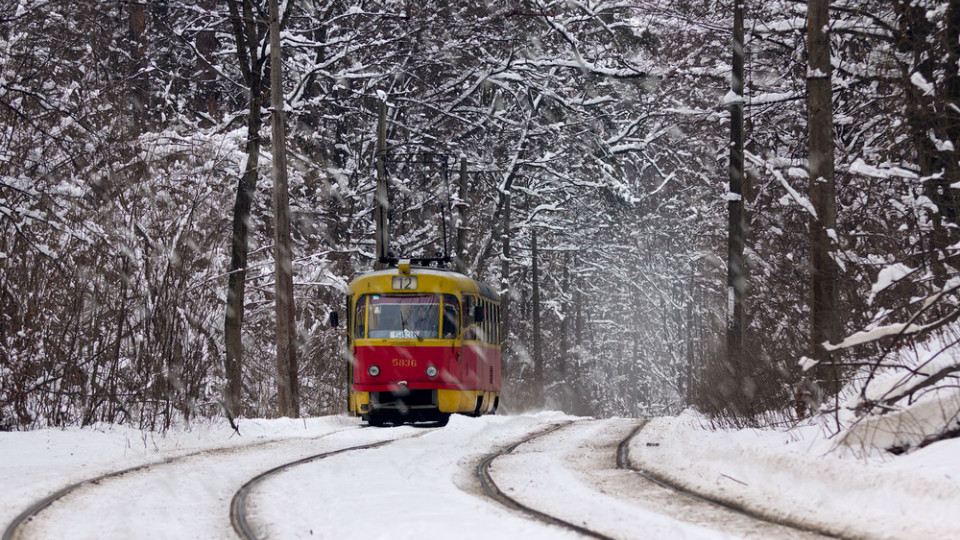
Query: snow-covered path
x: 423, y: 487
x: 185, y: 495
x: 425, y: 483
x: 580, y: 461
x: 799, y: 476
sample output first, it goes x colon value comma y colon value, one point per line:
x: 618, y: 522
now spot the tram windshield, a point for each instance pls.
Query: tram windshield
x: 396, y: 316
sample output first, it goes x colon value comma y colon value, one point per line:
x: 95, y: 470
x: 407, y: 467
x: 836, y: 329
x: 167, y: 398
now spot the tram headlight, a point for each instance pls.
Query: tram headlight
x: 373, y: 371
x: 431, y: 371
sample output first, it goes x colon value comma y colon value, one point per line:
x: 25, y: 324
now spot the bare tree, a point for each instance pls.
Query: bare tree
x: 248, y: 36
x: 736, y: 281
x: 824, y: 322
x: 288, y: 393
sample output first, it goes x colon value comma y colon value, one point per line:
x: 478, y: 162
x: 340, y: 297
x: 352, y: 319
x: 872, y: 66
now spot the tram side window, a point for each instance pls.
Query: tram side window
x: 482, y: 326
x: 360, y: 318
x: 451, y: 316
x: 468, y: 303
x: 493, y: 322
x: 500, y: 323
x: 487, y: 315
x: 350, y: 315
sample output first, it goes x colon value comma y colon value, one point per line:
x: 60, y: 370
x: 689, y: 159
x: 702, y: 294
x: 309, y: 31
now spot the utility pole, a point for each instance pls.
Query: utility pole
x: 824, y: 322
x: 736, y: 280
x: 381, y: 202
x: 288, y: 393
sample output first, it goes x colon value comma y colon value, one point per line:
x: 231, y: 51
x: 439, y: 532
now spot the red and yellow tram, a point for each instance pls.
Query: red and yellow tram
x: 424, y: 343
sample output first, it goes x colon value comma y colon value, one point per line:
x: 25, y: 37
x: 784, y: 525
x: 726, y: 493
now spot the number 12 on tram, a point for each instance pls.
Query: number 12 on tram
x: 424, y: 343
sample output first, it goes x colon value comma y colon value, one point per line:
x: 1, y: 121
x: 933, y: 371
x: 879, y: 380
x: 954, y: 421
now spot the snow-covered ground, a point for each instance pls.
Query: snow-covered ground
x: 803, y: 476
x: 425, y: 486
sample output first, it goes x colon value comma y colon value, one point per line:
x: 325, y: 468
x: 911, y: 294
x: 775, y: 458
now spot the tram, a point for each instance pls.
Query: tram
x: 424, y: 343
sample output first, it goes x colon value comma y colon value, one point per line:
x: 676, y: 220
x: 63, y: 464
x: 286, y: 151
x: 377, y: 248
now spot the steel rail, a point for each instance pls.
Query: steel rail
x: 492, y: 490
x: 14, y: 530
x: 238, y: 510
x: 624, y: 463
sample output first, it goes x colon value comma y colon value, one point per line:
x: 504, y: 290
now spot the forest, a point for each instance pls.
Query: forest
x: 581, y: 151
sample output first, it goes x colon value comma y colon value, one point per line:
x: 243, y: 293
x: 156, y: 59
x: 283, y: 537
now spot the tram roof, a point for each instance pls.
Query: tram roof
x: 463, y: 282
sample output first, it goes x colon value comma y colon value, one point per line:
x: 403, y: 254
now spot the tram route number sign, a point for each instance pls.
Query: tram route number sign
x: 404, y: 283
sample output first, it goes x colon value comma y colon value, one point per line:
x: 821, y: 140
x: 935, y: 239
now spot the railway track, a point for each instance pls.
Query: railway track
x: 608, y: 449
x: 15, y: 530
x: 492, y: 490
x: 238, y: 507
x: 623, y: 463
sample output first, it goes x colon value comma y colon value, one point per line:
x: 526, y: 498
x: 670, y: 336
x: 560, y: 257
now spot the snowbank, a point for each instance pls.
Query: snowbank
x: 37, y: 463
x: 798, y: 476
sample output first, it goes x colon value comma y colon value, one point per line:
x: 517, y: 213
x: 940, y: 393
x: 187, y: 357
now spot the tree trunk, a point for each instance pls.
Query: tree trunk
x: 288, y: 393
x: 505, y: 272
x: 934, y: 114
x: 248, y: 40
x: 824, y: 324
x: 537, y: 354
x: 736, y: 280
x: 460, y: 262
x: 382, y: 203
x: 207, y: 99
x: 564, y: 316
x: 688, y: 367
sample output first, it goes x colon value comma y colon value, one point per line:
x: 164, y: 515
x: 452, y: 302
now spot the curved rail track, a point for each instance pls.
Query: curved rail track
x: 14, y: 530
x: 238, y: 509
x: 242, y: 526
x: 490, y: 487
x: 623, y: 463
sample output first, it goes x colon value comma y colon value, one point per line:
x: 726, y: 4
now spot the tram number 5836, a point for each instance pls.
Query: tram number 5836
x: 404, y: 362
x: 404, y: 283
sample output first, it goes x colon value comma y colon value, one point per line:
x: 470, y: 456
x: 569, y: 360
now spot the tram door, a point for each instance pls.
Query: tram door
x: 473, y: 360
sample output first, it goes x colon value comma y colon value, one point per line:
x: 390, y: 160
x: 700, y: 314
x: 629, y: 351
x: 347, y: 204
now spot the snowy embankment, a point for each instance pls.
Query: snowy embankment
x: 424, y: 485
x: 421, y: 487
x: 802, y: 476
x: 37, y: 463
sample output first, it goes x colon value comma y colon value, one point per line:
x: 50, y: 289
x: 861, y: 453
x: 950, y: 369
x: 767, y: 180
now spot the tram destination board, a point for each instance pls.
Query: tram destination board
x: 404, y: 283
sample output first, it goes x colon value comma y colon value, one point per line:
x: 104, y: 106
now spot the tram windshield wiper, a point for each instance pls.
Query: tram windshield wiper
x: 403, y: 326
